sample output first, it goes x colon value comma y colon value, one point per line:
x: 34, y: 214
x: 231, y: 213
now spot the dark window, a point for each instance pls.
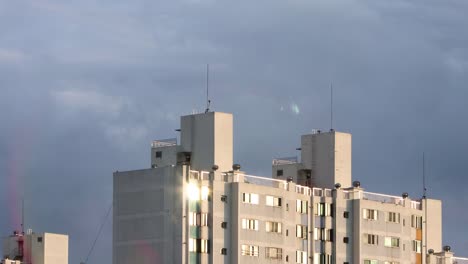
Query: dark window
x: 345, y: 262
x: 39, y: 239
x: 224, y: 224
x: 279, y: 173
x: 287, y: 258
x: 345, y: 240
x: 224, y: 251
x: 224, y: 198
x: 158, y: 154
x: 346, y: 214
x: 287, y: 232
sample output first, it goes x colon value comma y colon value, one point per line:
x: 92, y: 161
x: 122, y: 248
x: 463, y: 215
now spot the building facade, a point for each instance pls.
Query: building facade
x: 33, y: 248
x: 195, y: 206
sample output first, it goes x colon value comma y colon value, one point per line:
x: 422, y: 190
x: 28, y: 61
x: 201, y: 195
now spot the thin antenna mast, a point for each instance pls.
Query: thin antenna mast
x: 424, y: 176
x: 207, y: 88
x: 331, y: 106
x: 22, y: 216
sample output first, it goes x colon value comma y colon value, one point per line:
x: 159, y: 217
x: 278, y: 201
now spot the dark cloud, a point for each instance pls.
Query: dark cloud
x: 85, y: 86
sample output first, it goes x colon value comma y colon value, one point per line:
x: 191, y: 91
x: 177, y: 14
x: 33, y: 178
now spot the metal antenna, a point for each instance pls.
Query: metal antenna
x: 331, y: 106
x: 207, y: 88
x: 22, y: 215
x: 424, y: 176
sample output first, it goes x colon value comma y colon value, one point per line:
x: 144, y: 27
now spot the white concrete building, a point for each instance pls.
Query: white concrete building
x: 33, y: 248
x: 195, y: 206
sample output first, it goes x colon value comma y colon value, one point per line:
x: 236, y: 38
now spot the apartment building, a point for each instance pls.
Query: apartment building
x: 35, y: 248
x: 194, y: 205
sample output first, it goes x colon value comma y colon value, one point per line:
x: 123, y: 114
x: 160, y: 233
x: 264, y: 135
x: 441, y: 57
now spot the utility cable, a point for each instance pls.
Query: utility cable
x: 99, y: 233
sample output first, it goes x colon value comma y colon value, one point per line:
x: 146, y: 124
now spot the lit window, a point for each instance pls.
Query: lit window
x: 198, y: 219
x: 301, y: 206
x: 323, y: 234
x: 205, y: 193
x: 417, y: 246
x: 369, y: 214
x: 371, y: 239
x: 273, y: 201
x: 416, y: 221
x: 251, y: 198
x: 301, y: 257
x: 301, y: 231
x: 193, y: 192
x: 323, y: 209
x: 199, y: 245
x: 273, y: 253
x: 249, y: 250
x: 393, y: 217
x: 273, y: 227
x: 321, y: 258
x: 392, y: 242
x: 250, y: 224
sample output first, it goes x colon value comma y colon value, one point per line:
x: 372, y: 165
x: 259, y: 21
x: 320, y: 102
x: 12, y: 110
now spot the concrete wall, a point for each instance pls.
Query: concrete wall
x: 148, y: 212
x: 328, y: 156
x: 209, y: 137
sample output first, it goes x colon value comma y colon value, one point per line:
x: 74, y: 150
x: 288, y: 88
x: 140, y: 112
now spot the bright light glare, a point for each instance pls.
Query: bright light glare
x: 205, y: 193
x: 193, y: 192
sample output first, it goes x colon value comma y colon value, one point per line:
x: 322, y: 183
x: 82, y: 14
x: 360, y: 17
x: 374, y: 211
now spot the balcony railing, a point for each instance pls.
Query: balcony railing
x: 286, y: 160
x: 164, y: 142
x: 383, y: 198
x: 200, y: 175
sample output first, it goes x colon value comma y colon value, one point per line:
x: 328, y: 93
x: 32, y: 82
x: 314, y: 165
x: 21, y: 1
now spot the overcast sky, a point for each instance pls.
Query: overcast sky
x: 86, y: 85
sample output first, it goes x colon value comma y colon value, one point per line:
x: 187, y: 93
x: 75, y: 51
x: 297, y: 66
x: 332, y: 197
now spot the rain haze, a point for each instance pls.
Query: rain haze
x: 85, y: 86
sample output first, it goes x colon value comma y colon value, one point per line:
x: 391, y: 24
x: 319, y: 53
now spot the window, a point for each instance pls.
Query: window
x: 250, y: 224
x: 346, y: 240
x: 416, y: 221
x: 279, y: 173
x: 198, y: 219
x: 273, y: 253
x: 224, y: 251
x: 159, y: 154
x: 273, y: 201
x: 371, y: 239
x: 251, y: 198
x: 249, y: 250
x: 301, y: 231
x: 321, y: 258
x: 39, y: 239
x: 301, y: 257
x: 224, y: 225
x: 273, y: 227
x: 369, y: 214
x: 393, y: 217
x: 392, y: 242
x: 205, y: 193
x: 323, y: 234
x: 391, y: 262
x: 223, y: 198
x: 199, y: 245
x: 323, y: 209
x: 346, y: 214
x: 417, y: 246
x: 301, y: 206
x: 371, y: 261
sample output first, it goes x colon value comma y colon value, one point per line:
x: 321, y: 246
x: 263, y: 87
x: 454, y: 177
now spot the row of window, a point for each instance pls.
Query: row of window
x: 372, y: 214
x: 373, y: 261
x: 371, y: 239
x: 272, y: 253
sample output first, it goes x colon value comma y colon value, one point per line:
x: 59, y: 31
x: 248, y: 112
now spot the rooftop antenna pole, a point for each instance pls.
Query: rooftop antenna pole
x: 331, y: 106
x: 207, y: 88
x: 424, y: 176
x: 22, y: 216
